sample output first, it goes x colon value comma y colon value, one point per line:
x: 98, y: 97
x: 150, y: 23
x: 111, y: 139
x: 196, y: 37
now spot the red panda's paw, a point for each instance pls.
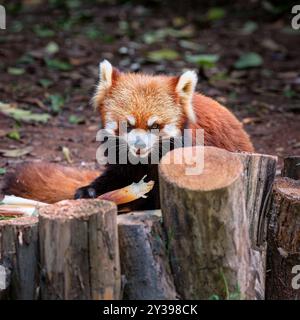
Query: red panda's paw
x: 85, y: 192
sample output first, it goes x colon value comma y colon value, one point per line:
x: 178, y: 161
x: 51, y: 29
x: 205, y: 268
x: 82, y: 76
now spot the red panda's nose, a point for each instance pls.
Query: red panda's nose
x: 139, y: 144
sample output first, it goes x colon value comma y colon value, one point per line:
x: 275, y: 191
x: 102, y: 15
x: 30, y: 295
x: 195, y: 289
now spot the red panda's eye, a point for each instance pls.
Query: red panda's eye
x: 129, y: 127
x: 155, y: 126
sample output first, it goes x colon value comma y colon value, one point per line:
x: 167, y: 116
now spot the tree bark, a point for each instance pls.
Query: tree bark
x: 79, y: 250
x: 19, y: 258
x: 206, y: 223
x: 259, y: 175
x: 283, y: 252
x: 291, y: 168
x: 144, y: 257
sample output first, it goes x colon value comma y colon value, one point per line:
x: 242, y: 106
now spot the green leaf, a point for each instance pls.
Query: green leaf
x: 289, y: 93
x: 203, y: 60
x: 74, y: 119
x: 45, y: 83
x: 249, y: 27
x: 23, y: 115
x: 17, y: 26
x: 216, y: 13
x: 214, y: 297
x: 190, y: 45
x: 93, y: 33
x: 52, y: 48
x: 14, y: 135
x: 57, y: 102
x: 160, y: 34
x: 108, y: 38
x: 164, y: 54
x: 249, y: 60
x: 25, y: 59
x: 43, y: 32
x: 58, y: 64
x: 16, y: 71
x: 2, y: 171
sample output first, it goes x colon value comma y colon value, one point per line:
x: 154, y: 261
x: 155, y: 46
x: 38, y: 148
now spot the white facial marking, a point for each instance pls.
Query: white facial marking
x: 111, y: 126
x: 131, y: 120
x: 171, y: 130
x: 152, y: 120
x: 140, y: 142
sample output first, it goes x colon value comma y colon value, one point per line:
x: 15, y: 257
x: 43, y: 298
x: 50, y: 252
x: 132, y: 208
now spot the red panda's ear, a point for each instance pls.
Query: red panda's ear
x: 185, y: 89
x: 107, y: 75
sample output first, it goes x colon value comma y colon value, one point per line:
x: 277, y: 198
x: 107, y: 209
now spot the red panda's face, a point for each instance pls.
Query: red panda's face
x: 143, y: 109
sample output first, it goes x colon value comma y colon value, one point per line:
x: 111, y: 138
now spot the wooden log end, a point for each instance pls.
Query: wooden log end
x: 19, y: 221
x: 288, y: 188
x: 69, y: 209
x: 218, y: 169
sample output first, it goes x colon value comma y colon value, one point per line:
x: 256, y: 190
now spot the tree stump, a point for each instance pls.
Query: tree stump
x: 144, y: 257
x: 206, y: 222
x: 259, y: 175
x: 79, y: 250
x: 291, y: 168
x: 283, y: 252
x: 19, y: 258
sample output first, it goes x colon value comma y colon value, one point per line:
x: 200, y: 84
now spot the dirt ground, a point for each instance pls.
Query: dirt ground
x: 49, y: 57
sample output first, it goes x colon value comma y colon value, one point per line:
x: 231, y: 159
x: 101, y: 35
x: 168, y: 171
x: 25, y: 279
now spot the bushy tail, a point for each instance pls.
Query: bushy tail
x: 46, y: 182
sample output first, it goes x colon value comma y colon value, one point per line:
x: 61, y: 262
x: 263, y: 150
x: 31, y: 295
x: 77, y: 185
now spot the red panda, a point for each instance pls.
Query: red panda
x: 168, y: 104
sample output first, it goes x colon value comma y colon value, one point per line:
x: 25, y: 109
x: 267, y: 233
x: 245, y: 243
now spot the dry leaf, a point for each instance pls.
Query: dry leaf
x: 67, y: 154
x: 15, y: 153
x: 250, y: 120
x: 23, y: 115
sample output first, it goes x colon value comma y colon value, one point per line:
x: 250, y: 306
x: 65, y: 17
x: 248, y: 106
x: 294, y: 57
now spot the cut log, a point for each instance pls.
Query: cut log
x: 283, y: 252
x: 259, y: 175
x: 79, y: 250
x: 291, y: 168
x: 19, y: 258
x: 206, y: 222
x: 144, y: 257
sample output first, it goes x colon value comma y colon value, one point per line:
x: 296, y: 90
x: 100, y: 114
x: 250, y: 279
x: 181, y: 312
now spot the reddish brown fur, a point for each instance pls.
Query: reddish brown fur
x: 221, y: 127
x: 46, y: 182
x: 142, y: 96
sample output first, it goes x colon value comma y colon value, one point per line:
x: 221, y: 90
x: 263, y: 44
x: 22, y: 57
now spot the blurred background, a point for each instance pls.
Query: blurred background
x: 246, y: 53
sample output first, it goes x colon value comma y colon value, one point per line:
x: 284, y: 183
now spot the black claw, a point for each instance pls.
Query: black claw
x: 85, y: 192
x: 78, y: 194
x: 91, y: 192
